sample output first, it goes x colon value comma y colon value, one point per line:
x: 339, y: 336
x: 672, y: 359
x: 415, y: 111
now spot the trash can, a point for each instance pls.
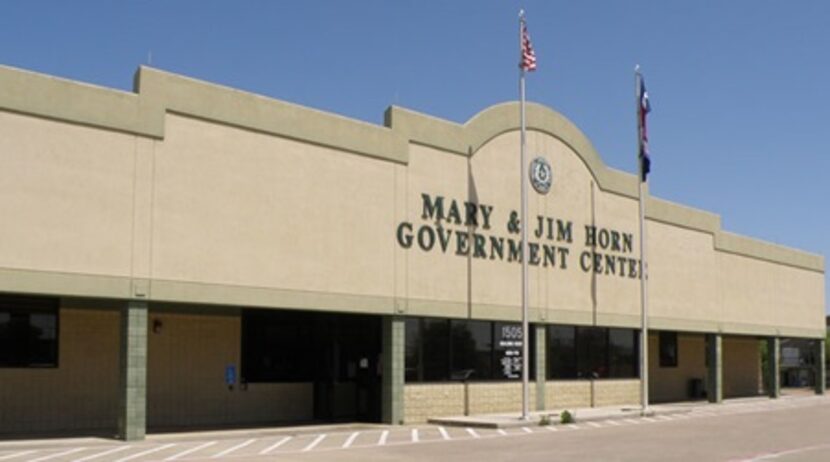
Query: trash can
x: 696, y: 388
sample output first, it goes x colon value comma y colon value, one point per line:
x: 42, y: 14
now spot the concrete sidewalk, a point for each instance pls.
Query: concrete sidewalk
x: 553, y: 416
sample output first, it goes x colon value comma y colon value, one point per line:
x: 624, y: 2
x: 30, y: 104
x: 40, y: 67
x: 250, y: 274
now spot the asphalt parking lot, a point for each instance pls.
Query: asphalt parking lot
x: 788, y: 429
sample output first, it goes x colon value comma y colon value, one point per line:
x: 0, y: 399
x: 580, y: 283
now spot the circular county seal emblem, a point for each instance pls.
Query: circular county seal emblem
x: 541, y: 175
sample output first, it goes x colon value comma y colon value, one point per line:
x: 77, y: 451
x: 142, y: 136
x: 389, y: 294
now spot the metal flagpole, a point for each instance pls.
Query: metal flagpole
x: 522, y: 173
x: 643, y: 255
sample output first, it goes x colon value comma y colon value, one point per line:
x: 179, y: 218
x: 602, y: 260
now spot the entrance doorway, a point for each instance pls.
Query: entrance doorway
x: 337, y: 354
x: 348, y: 384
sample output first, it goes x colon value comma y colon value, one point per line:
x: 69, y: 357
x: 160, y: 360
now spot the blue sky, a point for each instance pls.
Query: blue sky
x: 739, y: 88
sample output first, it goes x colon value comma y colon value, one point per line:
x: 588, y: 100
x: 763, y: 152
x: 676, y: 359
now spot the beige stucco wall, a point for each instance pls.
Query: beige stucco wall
x: 70, y: 191
x: 742, y: 367
x: 190, y: 192
x: 186, y: 377
x: 672, y: 383
x: 242, y: 208
x: 81, y: 394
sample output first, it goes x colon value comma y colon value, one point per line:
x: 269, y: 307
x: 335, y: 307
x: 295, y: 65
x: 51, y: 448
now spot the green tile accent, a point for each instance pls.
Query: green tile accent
x: 774, y: 369
x: 132, y: 419
x: 541, y: 365
x: 714, y: 351
x: 394, y: 362
x: 821, y: 370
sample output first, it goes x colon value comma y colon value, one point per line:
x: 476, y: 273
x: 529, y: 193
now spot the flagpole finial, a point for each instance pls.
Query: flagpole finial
x: 637, y: 68
x: 521, y: 13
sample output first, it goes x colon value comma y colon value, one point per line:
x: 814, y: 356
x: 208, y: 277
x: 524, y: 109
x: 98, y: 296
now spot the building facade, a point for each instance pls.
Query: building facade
x: 189, y: 255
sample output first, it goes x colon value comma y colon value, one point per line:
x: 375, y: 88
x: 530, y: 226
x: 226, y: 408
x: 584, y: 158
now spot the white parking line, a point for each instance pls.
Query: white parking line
x: 594, y: 424
x: 527, y: 430
x: 274, y: 446
x: 350, y: 440
x: 613, y: 422
x: 415, y: 437
x: 383, y: 437
x: 314, y: 443
x: 648, y: 419
x: 551, y: 428
x: 502, y: 432
x: 149, y: 451
x: 631, y: 421
x: 473, y: 433
x: 101, y: 454
x: 573, y: 426
x: 444, y: 433
x: 191, y: 450
x: 233, y: 448
x: 59, y: 454
x: 16, y: 454
x: 664, y: 418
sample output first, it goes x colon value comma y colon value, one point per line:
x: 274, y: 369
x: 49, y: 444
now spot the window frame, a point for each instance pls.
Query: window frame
x: 417, y: 372
x: 28, y: 305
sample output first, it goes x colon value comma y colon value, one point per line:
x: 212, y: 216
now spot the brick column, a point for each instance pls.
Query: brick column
x: 774, y: 367
x: 820, y: 367
x: 541, y: 364
x: 132, y: 415
x: 714, y: 383
x: 393, y: 354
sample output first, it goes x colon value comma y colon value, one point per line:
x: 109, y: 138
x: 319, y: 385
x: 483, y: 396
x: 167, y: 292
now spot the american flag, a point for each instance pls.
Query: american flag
x: 644, y: 107
x: 528, y: 62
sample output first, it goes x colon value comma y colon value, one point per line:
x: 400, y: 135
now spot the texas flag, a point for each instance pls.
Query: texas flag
x: 644, y: 107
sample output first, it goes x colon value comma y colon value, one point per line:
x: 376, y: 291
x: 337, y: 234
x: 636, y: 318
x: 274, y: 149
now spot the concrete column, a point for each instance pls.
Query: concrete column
x: 394, y: 359
x: 132, y: 417
x: 774, y: 366
x: 714, y: 353
x: 541, y: 364
x: 820, y: 367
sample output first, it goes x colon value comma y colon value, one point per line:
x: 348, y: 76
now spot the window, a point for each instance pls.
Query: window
x: 413, y: 353
x: 472, y: 350
x: 28, y: 332
x: 592, y: 353
x: 442, y: 350
x: 623, y: 353
x: 668, y: 349
x: 435, y: 343
x: 277, y: 346
x: 508, y: 349
x: 562, y: 352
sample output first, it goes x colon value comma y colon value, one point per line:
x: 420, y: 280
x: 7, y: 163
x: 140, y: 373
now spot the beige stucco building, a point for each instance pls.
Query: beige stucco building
x: 190, y: 255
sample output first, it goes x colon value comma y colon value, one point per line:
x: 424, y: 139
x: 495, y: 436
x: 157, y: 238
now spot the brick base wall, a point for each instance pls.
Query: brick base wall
x: 422, y: 401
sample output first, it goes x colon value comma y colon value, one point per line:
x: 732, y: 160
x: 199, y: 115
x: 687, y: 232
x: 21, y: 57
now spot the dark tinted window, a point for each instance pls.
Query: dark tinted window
x: 668, y: 349
x: 623, y: 353
x: 414, y: 352
x: 592, y: 352
x: 472, y: 350
x: 508, y: 362
x: 562, y: 352
x: 277, y: 346
x: 435, y: 344
x: 28, y: 331
x: 441, y: 350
